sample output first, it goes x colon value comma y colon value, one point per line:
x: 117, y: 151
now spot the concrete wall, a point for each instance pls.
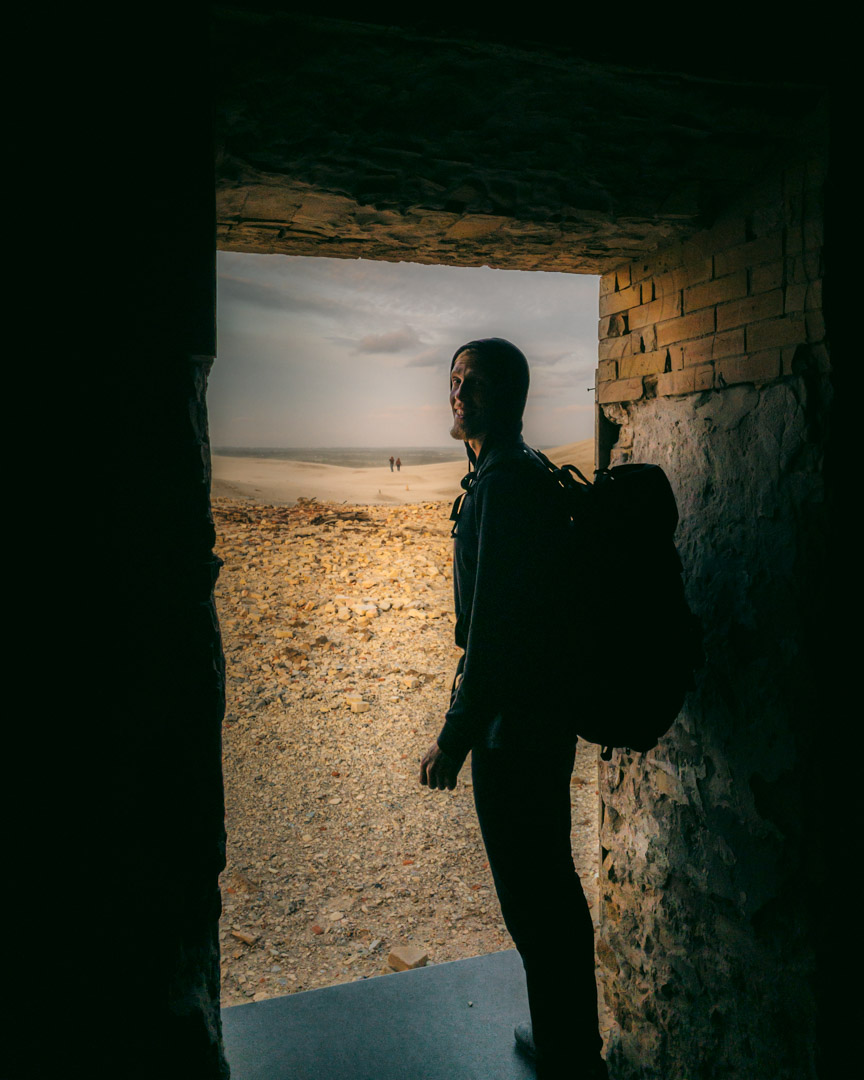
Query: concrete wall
x: 714, y: 364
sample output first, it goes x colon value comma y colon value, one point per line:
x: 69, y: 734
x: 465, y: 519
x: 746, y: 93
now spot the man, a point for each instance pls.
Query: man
x: 507, y: 705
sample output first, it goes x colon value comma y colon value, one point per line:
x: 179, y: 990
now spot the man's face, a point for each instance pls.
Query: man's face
x: 470, y: 399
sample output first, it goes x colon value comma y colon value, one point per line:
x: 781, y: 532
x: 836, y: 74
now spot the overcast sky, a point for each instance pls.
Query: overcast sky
x: 345, y: 352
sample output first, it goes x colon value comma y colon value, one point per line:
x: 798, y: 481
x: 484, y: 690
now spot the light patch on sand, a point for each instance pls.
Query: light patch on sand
x: 276, y: 482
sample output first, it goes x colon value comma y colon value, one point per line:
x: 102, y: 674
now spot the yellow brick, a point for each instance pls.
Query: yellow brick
x: 623, y: 300
x: 731, y: 287
x: 754, y: 308
x: 656, y: 311
x: 642, y: 364
x: 607, y: 283
x: 765, y: 249
x: 612, y: 348
x: 613, y: 326
x: 814, y: 295
x: 766, y: 277
x: 687, y: 381
x: 714, y: 347
x: 815, y: 326
x: 689, y: 326
x: 795, y: 298
x: 772, y: 332
x: 758, y: 367
x: 620, y: 390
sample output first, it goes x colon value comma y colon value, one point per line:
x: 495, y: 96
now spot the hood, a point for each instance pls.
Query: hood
x: 510, y: 379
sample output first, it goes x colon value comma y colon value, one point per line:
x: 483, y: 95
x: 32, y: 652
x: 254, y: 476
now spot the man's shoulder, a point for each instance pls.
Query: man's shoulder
x: 516, y: 476
x: 514, y: 462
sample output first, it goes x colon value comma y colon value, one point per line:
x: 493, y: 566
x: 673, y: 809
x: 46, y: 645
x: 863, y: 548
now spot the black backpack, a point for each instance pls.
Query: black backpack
x: 643, y: 643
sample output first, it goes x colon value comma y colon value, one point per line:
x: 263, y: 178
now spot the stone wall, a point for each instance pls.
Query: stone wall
x: 714, y: 364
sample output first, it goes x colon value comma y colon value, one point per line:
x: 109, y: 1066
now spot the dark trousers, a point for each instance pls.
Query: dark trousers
x: 523, y: 805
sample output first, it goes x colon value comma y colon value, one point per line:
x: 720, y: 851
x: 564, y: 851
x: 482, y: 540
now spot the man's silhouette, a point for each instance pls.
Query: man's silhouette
x: 508, y: 706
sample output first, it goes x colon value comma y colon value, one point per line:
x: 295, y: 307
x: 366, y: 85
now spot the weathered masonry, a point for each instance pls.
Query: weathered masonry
x: 714, y: 363
x: 694, y: 180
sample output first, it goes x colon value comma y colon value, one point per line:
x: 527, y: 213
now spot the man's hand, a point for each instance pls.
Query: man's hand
x: 437, y: 770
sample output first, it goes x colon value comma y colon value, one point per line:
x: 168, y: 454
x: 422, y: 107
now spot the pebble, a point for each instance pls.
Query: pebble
x: 406, y: 957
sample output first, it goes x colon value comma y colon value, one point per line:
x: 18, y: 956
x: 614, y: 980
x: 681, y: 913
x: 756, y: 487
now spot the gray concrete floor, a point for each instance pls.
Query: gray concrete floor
x: 447, y: 1022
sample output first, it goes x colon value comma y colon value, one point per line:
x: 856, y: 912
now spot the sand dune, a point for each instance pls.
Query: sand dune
x: 272, y: 481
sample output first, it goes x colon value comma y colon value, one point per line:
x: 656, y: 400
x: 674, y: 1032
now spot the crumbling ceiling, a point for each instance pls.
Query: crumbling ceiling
x: 356, y: 140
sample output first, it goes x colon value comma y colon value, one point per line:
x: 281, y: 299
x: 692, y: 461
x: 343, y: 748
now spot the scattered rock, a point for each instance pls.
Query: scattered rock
x: 406, y: 957
x: 394, y: 860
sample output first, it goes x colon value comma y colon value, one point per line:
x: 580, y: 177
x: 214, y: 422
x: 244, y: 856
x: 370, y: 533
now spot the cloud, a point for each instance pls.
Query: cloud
x: 393, y: 341
x: 238, y: 290
x: 431, y: 357
x: 542, y: 359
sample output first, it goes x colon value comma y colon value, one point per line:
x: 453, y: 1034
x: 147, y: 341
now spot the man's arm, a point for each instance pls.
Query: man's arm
x: 513, y: 608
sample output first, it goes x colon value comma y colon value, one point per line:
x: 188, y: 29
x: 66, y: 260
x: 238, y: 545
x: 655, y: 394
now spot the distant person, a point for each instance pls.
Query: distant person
x: 398, y: 464
x: 391, y: 463
x: 510, y: 715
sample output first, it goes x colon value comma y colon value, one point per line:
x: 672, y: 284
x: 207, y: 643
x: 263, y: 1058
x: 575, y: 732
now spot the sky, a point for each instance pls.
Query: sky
x: 347, y: 352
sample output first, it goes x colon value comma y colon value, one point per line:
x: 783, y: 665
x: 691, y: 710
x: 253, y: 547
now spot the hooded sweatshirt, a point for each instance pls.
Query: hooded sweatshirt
x: 507, y: 557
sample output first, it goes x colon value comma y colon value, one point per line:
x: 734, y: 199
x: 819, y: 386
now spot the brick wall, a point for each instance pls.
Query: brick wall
x: 714, y: 364
x: 737, y: 304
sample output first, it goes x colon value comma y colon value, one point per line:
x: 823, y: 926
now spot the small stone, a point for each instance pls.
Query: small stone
x: 360, y: 706
x: 316, y: 929
x: 406, y: 957
x: 245, y: 936
x: 411, y: 682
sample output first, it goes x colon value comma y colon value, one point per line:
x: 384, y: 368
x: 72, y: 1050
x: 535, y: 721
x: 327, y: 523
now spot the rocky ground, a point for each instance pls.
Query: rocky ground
x: 338, y: 634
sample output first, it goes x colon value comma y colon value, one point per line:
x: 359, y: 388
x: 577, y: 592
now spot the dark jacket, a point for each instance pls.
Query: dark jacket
x: 509, y: 604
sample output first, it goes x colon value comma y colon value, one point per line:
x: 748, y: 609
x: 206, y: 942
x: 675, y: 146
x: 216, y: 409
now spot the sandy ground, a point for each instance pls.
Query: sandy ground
x: 338, y: 633
x: 269, y: 480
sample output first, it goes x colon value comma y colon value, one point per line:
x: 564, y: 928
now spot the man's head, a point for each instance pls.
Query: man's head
x: 488, y: 389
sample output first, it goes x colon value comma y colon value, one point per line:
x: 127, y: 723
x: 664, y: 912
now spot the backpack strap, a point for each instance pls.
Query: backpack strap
x: 562, y: 473
x: 467, y: 482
